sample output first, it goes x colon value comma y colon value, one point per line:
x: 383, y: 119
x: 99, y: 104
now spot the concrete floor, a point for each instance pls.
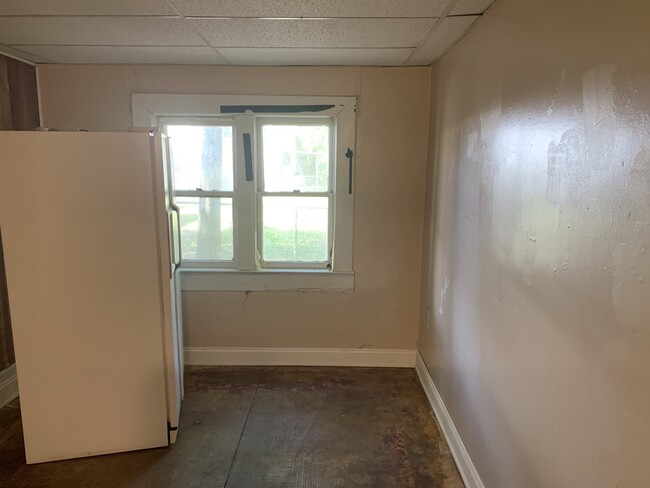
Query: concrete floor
x: 264, y: 427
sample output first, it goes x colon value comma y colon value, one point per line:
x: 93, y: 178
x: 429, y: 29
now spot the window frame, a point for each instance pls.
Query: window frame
x: 261, y: 192
x: 249, y: 274
x: 213, y: 122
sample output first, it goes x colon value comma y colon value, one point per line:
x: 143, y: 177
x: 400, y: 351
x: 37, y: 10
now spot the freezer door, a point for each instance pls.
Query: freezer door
x: 84, y: 279
x: 168, y: 219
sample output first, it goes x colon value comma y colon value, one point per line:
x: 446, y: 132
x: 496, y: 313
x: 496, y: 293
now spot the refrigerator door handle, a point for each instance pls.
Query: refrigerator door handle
x: 177, y: 236
x: 170, y: 227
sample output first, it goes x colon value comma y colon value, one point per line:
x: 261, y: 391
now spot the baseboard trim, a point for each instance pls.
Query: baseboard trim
x: 241, y: 356
x: 8, y: 385
x: 464, y: 463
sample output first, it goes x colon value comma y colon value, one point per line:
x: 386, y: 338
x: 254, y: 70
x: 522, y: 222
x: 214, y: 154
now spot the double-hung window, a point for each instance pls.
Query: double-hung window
x: 264, y: 186
x: 204, y: 187
x: 295, y: 204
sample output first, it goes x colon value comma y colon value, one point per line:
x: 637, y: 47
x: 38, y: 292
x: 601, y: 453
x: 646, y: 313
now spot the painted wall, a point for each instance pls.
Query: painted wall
x: 18, y: 111
x: 537, y: 275
x: 392, y: 125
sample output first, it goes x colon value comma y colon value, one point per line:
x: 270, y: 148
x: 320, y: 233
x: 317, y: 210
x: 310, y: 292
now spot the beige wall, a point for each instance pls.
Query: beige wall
x: 539, y: 297
x: 392, y: 125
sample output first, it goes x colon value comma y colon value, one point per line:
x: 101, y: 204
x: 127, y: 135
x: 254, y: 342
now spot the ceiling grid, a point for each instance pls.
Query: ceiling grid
x: 237, y: 32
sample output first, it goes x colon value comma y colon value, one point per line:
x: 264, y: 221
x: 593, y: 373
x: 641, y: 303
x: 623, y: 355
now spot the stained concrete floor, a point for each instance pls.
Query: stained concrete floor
x: 269, y: 427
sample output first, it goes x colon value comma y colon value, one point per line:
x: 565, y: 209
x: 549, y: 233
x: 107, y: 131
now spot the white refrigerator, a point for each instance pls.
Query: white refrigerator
x: 91, y: 242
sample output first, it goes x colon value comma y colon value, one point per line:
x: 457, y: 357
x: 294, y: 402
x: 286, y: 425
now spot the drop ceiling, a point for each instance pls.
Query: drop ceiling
x: 236, y: 32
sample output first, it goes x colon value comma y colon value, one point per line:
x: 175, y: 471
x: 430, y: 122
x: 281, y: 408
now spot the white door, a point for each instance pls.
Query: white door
x: 84, y: 281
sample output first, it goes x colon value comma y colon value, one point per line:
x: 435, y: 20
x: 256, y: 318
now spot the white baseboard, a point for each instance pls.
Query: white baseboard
x: 8, y: 385
x: 242, y: 356
x: 461, y: 456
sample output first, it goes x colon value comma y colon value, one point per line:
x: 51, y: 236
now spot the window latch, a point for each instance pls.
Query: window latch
x: 248, y: 157
x: 349, y: 154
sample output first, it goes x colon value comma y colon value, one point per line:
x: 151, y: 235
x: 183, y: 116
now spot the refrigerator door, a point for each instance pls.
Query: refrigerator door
x: 168, y: 222
x: 80, y: 237
x: 176, y: 279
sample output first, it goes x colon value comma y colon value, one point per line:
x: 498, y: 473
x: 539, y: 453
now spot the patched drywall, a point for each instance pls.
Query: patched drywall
x: 392, y: 123
x: 537, y: 257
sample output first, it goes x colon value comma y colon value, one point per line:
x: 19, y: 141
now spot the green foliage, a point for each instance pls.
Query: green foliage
x: 287, y: 245
x: 279, y: 245
x: 189, y: 240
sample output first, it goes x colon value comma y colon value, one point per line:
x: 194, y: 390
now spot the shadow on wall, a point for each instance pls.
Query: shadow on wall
x: 18, y: 111
x: 6, y: 343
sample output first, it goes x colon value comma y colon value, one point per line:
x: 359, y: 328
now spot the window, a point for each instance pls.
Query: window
x: 295, y: 193
x: 264, y: 187
x: 202, y: 158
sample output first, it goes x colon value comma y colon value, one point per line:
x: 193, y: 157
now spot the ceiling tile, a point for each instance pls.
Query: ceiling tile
x: 312, y: 33
x: 447, y: 33
x: 94, y: 31
x: 127, y: 54
x: 316, y: 57
x: 311, y: 8
x: 467, y: 7
x: 85, y: 7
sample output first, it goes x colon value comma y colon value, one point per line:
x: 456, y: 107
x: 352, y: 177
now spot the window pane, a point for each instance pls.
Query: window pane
x: 201, y: 157
x: 206, y: 228
x: 296, y: 157
x: 295, y: 228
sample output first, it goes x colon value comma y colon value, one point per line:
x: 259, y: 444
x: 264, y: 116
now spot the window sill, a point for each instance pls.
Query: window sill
x: 267, y: 280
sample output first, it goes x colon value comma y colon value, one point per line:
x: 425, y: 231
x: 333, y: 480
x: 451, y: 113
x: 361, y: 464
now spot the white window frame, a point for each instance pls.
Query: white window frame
x: 248, y: 275
x: 212, y: 121
x: 329, y: 193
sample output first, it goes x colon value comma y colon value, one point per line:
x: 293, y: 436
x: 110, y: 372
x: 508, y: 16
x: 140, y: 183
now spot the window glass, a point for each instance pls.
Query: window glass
x: 295, y: 228
x: 296, y: 157
x: 206, y: 228
x: 202, y: 157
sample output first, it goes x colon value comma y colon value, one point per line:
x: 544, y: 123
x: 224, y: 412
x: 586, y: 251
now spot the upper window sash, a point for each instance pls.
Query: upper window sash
x: 297, y: 121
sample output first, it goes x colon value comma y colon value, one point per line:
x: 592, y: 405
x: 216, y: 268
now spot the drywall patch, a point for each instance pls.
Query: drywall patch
x: 567, y: 174
x: 472, y: 140
x: 630, y: 290
x: 443, y: 297
x: 551, y: 106
x: 600, y: 118
x: 631, y: 256
x: 489, y: 118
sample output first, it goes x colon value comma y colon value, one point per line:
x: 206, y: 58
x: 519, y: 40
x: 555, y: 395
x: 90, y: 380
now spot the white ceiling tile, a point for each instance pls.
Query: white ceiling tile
x: 311, y: 33
x: 447, y: 33
x: 316, y: 57
x: 311, y: 8
x: 94, y: 31
x: 127, y: 54
x: 471, y: 7
x: 85, y: 7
